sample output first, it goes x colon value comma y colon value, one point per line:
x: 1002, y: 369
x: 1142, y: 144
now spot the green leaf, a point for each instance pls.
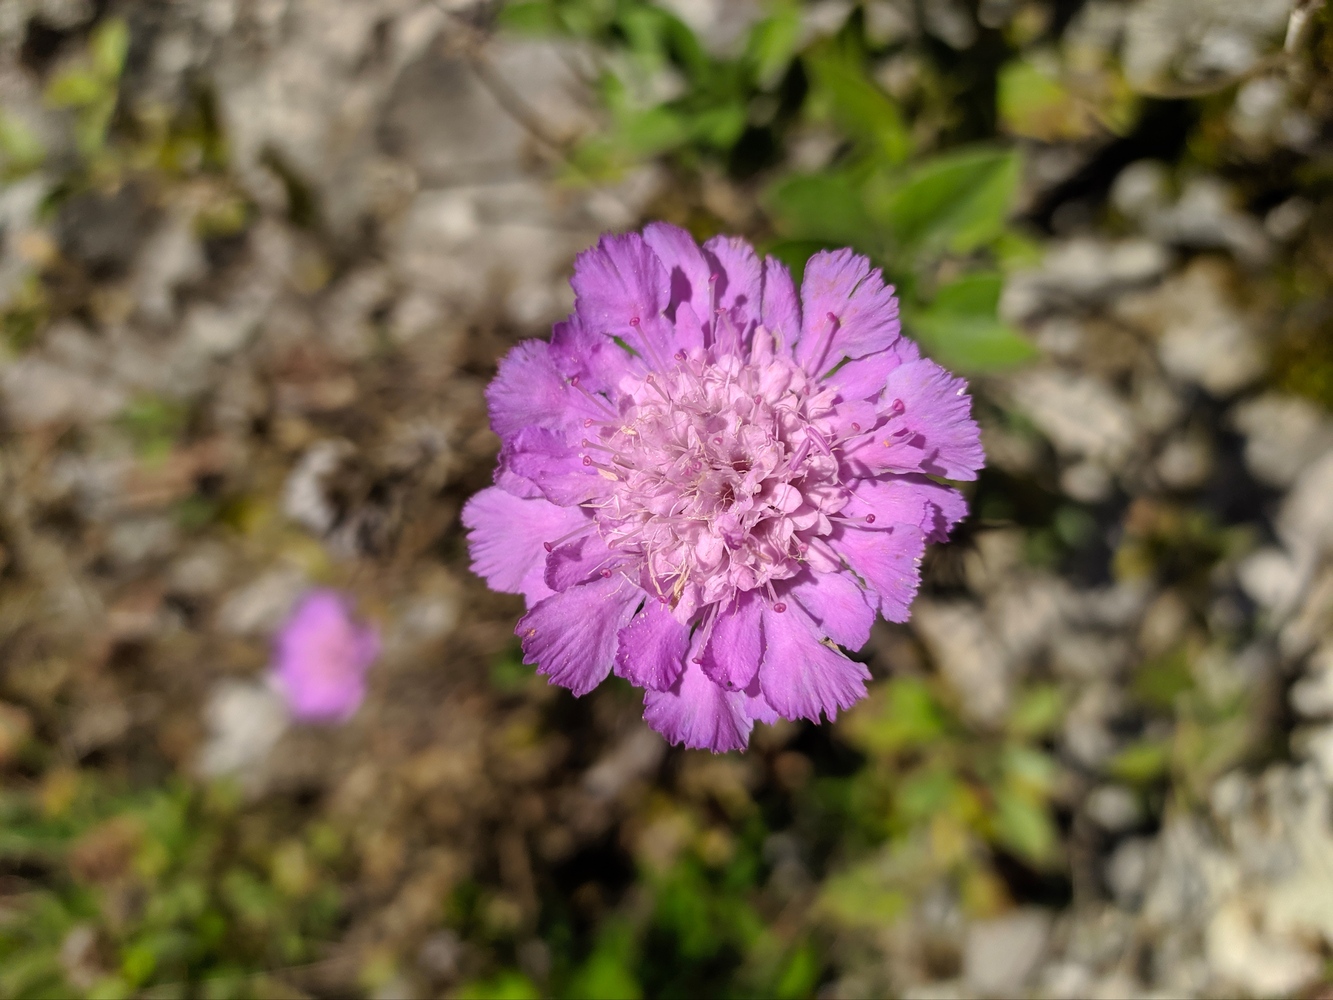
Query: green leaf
x: 800, y: 975
x: 1037, y: 712
x: 926, y: 793
x: 821, y: 207
x: 75, y: 87
x: 857, y: 105
x: 772, y: 45
x: 961, y: 330
x: 1028, y: 770
x: 1161, y: 680
x: 957, y: 203
x: 20, y: 147
x: 608, y: 973
x: 859, y: 898
x: 1140, y: 763
x: 901, y: 714
x: 1024, y: 826
x: 653, y: 131
x: 536, y: 17
x: 508, y: 985
x: 109, y: 46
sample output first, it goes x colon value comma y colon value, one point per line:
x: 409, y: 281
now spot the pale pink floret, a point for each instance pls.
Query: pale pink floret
x: 321, y: 656
x: 707, y: 484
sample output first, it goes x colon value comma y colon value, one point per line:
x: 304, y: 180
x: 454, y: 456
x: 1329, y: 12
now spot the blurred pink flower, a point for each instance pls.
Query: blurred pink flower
x: 321, y: 657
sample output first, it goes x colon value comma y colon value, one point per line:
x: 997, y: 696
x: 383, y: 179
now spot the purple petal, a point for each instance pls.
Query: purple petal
x: 757, y: 706
x: 849, y: 312
x: 320, y: 658
x: 597, y: 361
x: 889, y: 561
x: 801, y: 677
x: 780, y: 311
x: 579, y: 561
x: 866, y: 377
x: 699, y: 713
x: 528, y: 390
x: 930, y: 428
x: 739, y: 282
x: 506, y: 536
x: 911, y: 499
x: 652, y: 648
x: 837, y: 604
x: 736, y: 646
x: 687, y: 274
x: 571, y: 636
x: 621, y: 290
x: 554, y: 467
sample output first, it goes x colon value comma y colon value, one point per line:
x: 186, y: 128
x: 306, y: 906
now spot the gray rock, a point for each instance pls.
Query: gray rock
x: 1185, y: 462
x: 1114, y: 808
x: 968, y: 656
x: 1204, y: 337
x: 139, y: 539
x: 1312, y: 695
x: 1081, y: 414
x: 1142, y: 190
x: 307, y: 496
x: 1001, y: 955
x: 171, y: 256
x: 1086, y: 482
x: 1170, y: 44
x: 41, y: 393
x: 633, y: 759
x: 1283, y: 435
x: 259, y: 607
x: 1206, y: 218
x: 245, y: 720
x: 1305, y: 521
x: 1128, y: 869
x: 1270, y: 577
x: 200, y: 571
x: 1079, y: 271
x: 1260, y: 964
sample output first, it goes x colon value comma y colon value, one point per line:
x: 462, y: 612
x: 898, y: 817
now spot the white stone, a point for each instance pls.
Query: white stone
x: 245, y: 720
x: 1283, y: 435
x: 1081, y: 414
x: 1270, y: 577
x: 258, y: 608
x: 1001, y: 955
x: 967, y: 655
x: 1305, y: 522
x: 1260, y: 964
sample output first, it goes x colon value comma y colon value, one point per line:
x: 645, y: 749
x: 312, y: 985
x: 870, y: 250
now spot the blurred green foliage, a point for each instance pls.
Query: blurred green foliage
x: 172, y: 889
x: 937, y: 221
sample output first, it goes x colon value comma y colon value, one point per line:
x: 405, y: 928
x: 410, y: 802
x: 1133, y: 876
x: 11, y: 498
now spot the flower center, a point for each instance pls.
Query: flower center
x: 722, y: 476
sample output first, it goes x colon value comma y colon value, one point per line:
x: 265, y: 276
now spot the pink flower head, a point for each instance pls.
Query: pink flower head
x: 708, y: 484
x: 321, y: 657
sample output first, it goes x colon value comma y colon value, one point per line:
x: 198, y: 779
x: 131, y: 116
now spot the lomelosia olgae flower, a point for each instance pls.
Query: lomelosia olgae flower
x: 321, y: 656
x: 708, y: 484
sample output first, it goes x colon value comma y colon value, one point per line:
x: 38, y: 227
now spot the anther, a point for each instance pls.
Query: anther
x: 833, y: 317
x: 634, y: 321
x: 898, y: 407
x: 587, y: 421
x: 780, y: 607
x: 587, y: 460
x: 574, y: 381
x: 855, y: 426
x: 548, y: 546
x: 870, y: 519
x: 679, y: 355
x: 606, y: 574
